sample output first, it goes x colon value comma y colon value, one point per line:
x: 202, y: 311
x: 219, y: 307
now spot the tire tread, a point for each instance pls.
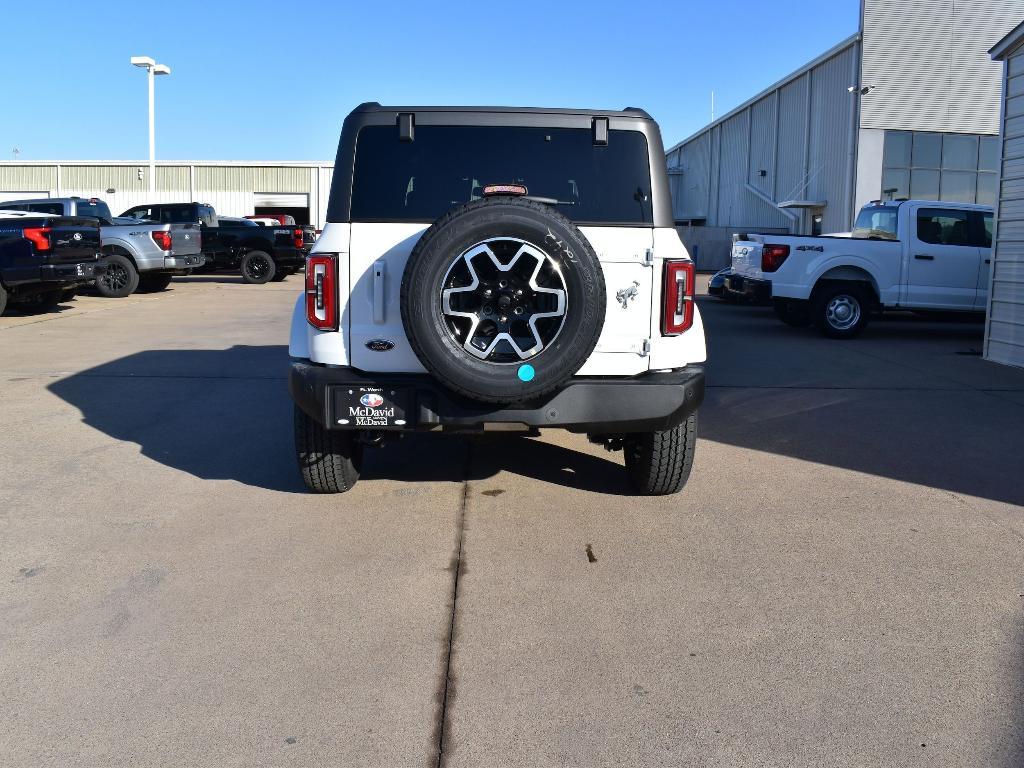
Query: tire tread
x: 329, y: 461
x: 659, y: 463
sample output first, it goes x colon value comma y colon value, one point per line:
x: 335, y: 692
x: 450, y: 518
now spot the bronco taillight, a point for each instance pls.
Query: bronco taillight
x: 297, y: 234
x: 38, y: 236
x: 677, y: 292
x: 772, y: 257
x: 322, y: 292
x: 162, y: 239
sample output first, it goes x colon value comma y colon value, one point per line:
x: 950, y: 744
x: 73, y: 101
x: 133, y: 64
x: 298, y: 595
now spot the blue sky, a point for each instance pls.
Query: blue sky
x: 274, y: 80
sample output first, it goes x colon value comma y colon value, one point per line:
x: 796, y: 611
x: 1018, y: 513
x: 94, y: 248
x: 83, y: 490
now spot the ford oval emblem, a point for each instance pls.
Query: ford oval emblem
x: 380, y: 345
x: 371, y: 400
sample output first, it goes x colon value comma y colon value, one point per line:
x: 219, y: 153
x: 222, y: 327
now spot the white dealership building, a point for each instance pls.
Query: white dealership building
x: 908, y: 106
x: 232, y: 188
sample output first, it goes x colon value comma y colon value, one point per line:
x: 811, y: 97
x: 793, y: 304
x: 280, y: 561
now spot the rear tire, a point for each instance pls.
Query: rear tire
x: 258, y: 267
x: 151, y: 283
x: 329, y: 460
x: 793, y: 312
x: 659, y: 463
x: 46, y: 301
x: 120, y: 278
x: 840, y: 310
x: 3, y: 299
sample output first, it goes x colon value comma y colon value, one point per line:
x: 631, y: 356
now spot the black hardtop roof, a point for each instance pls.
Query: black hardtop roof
x: 373, y: 106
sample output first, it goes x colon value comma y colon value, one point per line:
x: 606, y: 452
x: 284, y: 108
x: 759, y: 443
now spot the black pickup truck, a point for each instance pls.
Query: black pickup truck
x: 43, y: 256
x: 261, y: 254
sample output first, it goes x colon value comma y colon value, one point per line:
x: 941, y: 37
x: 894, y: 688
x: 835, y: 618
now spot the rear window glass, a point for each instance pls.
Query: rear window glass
x: 449, y: 165
x: 97, y: 210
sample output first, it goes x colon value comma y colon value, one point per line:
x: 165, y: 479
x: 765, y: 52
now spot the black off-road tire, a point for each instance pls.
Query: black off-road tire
x: 511, y: 219
x: 154, y: 283
x: 44, y: 301
x: 793, y: 312
x: 120, y: 278
x: 329, y: 460
x: 659, y: 463
x: 257, y: 267
x: 3, y: 299
x: 829, y: 296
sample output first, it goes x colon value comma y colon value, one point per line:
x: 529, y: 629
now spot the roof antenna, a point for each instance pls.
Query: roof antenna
x: 15, y: 152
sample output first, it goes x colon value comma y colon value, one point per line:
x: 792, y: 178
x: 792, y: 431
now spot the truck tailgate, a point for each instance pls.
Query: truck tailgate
x: 186, y: 239
x: 72, y: 239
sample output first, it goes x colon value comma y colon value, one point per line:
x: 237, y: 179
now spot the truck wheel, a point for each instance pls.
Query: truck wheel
x: 659, y: 463
x: 793, y: 312
x: 151, y: 283
x: 3, y: 299
x: 120, y: 278
x: 503, y: 299
x: 45, y: 301
x: 840, y: 310
x: 257, y: 267
x: 329, y: 460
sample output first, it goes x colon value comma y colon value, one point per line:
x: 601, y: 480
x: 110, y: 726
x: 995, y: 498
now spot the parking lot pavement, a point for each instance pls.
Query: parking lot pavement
x: 839, y: 584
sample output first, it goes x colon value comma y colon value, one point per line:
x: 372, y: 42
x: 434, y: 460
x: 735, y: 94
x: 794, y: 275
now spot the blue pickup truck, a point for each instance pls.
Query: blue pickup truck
x: 43, y: 257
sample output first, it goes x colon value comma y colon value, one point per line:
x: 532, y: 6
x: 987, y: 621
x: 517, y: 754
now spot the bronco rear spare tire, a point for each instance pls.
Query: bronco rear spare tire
x: 503, y: 299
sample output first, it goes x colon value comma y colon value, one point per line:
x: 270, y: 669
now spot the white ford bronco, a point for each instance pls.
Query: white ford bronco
x: 498, y: 268
x: 923, y: 255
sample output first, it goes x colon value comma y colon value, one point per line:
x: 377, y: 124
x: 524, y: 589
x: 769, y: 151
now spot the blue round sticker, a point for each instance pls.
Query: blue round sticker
x: 526, y: 372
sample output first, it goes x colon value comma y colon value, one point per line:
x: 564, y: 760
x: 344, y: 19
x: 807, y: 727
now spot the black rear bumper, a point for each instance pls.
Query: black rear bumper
x: 606, y: 406
x: 747, y: 288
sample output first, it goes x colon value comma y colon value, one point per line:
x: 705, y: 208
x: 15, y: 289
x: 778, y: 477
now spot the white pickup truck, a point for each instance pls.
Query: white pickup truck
x: 912, y: 254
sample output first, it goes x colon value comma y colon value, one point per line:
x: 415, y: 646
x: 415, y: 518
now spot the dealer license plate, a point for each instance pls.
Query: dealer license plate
x: 370, y: 407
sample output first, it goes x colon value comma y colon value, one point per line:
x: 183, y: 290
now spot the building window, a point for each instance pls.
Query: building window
x: 955, y: 167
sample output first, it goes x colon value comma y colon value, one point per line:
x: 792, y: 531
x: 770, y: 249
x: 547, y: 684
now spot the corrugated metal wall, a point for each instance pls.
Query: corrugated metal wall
x: 792, y: 142
x: 1004, y: 332
x: 230, y: 188
x: 929, y: 63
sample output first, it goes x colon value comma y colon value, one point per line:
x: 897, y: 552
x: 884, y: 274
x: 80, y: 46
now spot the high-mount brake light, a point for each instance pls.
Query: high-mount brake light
x: 38, y: 236
x: 297, y: 235
x: 677, y: 294
x: 772, y: 256
x: 322, y: 292
x: 162, y: 239
x: 505, y: 189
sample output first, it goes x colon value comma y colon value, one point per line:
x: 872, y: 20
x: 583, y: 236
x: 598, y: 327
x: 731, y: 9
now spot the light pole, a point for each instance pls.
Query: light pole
x: 152, y: 69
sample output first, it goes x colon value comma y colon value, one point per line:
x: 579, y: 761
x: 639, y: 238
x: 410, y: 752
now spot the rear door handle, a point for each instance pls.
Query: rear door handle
x: 924, y: 257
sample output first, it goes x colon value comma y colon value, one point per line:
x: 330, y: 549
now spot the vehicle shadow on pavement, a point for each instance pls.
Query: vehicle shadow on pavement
x: 226, y: 414
x: 910, y: 400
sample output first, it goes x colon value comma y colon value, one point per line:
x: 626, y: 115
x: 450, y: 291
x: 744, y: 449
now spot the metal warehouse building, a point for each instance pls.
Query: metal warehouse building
x: 1004, y: 330
x: 233, y: 188
x: 907, y: 107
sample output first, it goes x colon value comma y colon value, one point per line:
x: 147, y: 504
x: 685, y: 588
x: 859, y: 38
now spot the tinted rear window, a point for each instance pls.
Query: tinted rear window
x: 449, y: 165
x: 97, y: 210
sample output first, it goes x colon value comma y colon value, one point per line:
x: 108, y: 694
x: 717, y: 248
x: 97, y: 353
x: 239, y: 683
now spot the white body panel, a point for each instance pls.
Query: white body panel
x: 906, y: 273
x: 372, y: 259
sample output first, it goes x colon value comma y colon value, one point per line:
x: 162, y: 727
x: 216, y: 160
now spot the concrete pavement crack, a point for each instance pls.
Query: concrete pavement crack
x: 457, y: 567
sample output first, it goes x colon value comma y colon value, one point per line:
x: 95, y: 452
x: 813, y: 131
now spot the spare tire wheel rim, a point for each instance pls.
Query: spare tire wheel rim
x: 504, y: 300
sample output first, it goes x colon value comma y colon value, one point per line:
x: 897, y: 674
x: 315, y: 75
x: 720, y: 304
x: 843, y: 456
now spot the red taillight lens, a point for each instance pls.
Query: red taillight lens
x: 322, y: 292
x: 772, y: 256
x: 38, y: 236
x: 677, y: 290
x: 297, y: 234
x: 163, y: 239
